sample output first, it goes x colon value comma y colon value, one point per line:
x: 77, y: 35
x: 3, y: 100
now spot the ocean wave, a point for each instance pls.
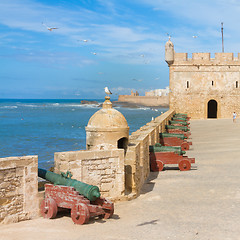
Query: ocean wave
x: 9, y: 107
x: 144, y: 108
x: 28, y: 105
x: 51, y: 105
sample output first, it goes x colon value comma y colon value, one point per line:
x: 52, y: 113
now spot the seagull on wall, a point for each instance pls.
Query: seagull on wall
x: 49, y: 28
x: 107, y: 91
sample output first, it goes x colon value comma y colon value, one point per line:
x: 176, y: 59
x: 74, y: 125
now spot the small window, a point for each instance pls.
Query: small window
x: 187, y: 84
x: 212, y: 83
x: 236, y: 84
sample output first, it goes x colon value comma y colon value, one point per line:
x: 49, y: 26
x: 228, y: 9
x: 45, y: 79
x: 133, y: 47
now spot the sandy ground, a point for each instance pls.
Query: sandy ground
x: 203, y: 203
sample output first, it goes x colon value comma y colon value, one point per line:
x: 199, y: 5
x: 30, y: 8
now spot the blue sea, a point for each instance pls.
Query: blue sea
x: 42, y: 127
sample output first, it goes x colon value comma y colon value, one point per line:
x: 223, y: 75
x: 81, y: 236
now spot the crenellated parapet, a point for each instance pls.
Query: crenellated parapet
x: 205, y: 59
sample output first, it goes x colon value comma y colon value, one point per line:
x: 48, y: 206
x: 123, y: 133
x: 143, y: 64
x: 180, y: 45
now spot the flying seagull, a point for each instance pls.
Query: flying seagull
x: 49, y: 28
x: 83, y: 40
x: 107, y: 91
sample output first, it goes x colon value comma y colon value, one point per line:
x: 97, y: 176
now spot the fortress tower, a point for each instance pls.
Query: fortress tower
x: 201, y: 86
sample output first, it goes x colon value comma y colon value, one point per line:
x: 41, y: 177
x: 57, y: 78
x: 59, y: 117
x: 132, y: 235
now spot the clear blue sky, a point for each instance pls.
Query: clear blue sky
x: 124, y: 48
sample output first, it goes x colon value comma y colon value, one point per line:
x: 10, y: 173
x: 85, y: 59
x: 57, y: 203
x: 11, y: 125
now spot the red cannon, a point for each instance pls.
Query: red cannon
x: 59, y: 197
x: 173, y: 139
x: 186, y: 134
x: 159, y: 159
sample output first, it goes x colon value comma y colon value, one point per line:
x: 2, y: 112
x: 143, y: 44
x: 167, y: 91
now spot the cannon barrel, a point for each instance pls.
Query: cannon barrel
x: 180, y: 119
x: 89, y: 191
x: 180, y: 114
x: 178, y: 122
x: 178, y: 135
x: 159, y: 148
x: 183, y: 128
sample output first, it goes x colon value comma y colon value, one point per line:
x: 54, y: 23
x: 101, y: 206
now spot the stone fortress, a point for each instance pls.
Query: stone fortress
x: 114, y: 161
x: 118, y: 163
x: 201, y: 86
x: 154, y: 98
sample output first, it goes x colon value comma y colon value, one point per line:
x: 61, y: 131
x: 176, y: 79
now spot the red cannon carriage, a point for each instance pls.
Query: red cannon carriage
x: 161, y: 155
x: 186, y: 134
x: 59, y: 197
x: 173, y: 139
x: 159, y: 159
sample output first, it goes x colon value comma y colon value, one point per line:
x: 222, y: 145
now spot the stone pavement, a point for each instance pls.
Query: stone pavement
x: 203, y: 203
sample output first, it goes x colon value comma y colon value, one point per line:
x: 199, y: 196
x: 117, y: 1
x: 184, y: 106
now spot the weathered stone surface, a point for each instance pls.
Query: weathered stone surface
x: 195, y: 81
x: 18, y: 188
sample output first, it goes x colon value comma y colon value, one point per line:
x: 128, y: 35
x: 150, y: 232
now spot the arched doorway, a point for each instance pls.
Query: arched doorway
x: 212, y: 109
x: 123, y: 143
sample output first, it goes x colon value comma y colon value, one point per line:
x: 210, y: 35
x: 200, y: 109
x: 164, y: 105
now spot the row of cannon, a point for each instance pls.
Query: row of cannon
x: 85, y: 201
x: 173, y: 145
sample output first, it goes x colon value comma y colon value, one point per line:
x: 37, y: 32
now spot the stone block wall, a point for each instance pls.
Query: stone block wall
x: 137, y: 157
x: 104, y: 169
x: 18, y: 189
x: 150, y: 101
x: 196, y: 81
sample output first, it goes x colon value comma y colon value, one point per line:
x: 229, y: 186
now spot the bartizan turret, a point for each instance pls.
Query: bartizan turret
x: 169, y: 52
x: 107, y: 129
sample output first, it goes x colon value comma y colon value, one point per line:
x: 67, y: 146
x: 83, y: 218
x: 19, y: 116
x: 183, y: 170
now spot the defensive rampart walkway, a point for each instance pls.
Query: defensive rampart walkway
x: 199, y: 204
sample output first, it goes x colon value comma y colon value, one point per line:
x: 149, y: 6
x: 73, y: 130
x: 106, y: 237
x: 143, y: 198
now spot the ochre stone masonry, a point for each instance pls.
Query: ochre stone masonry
x: 201, y: 86
x: 150, y: 101
x: 137, y: 156
x: 104, y: 169
x: 18, y: 188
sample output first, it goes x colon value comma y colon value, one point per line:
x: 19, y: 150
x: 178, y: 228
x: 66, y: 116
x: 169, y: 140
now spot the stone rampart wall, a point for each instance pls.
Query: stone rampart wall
x: 150, y: 101
x: 104, y: 169
x: 137, y: 156
x: 18, y: 189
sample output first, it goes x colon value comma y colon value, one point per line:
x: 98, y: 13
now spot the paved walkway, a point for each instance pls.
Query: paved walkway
x: 203, y: 203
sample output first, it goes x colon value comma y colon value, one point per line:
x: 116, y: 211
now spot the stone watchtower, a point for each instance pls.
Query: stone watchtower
x: 201, y: 86
x: 107, y: 129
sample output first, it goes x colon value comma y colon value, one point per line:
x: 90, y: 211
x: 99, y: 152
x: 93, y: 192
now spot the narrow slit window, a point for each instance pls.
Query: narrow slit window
x: 236, y: 84
x: 212, y: 83
x: 187, y: 84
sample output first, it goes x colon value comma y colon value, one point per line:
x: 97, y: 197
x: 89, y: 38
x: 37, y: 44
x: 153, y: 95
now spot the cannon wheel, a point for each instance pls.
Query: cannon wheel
x: 109, y: 212
x: 184, y: 146
x: 160, y: 165
x: 184, y: 165
x: 80, y: 213
x: 48, y: 208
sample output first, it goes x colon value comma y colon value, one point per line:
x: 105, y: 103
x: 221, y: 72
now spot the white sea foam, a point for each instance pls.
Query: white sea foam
x: 29, y: 105
x: 9, y: 107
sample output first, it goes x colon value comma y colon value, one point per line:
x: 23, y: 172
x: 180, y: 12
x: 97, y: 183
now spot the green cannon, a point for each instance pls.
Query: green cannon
x: 180, y: 119
x: 180, y: 114
x: 183, y: 128
x: 89, y: 191
x: 159, y: 148
x: 178, y: 135
x: 178, y: 122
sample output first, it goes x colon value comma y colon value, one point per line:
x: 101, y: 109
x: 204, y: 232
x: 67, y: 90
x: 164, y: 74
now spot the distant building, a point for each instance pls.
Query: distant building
x: 158, y: 92
x: 201, y: 86
x: 154, y: 98
x: 134, y: 93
